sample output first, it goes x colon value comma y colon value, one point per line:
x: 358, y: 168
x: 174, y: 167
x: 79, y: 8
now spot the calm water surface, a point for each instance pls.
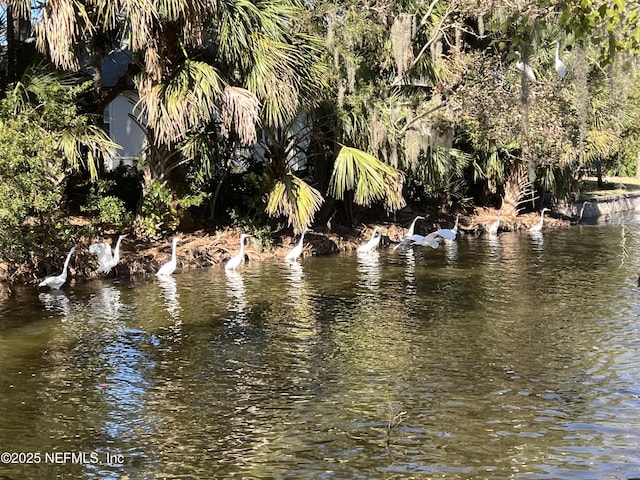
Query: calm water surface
x: 514, y: 357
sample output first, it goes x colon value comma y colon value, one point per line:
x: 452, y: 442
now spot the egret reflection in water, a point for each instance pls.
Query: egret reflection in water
x: 537, y: 240
x: 56, y: 301
x: 409, y: 257
x: 369, y: 269
x: 170, y: 296
x: 236, y: 292
x: 451, y: 251
x: 107, y: 302
x: 494, y: 245
x: 295, y: 280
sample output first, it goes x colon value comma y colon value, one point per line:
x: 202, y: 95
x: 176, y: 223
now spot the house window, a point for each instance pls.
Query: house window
x: 106, y: 118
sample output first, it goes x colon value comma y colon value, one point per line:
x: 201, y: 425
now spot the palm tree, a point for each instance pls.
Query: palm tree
x: 232, y: 64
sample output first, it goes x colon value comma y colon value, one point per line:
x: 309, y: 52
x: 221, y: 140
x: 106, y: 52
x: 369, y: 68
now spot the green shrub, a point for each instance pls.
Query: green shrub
x: 108, y: 211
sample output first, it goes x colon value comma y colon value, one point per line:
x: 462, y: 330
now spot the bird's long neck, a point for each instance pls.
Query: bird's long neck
x: 241, y: 246
x: 116, y: 251
x: 557, y: 51
x: 542, y: 215
x: 301, y: 239
x: 173, y: 251
x: 66, y: 263
x: 412, y: 226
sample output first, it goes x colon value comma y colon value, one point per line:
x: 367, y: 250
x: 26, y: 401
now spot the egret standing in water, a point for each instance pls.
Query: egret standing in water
x: 170, y: 267
x: 538, y: 226
x: 495, y: 226
x: 235, y: 262
x: 410, y: 231
x: 296, y: 251
x: 582, y: 210
x: 106, y: 258
x: 55, y: 282
x: 409, y: 234
x: 560, y: 67
x: 373, y: 242
x: 451, y: 233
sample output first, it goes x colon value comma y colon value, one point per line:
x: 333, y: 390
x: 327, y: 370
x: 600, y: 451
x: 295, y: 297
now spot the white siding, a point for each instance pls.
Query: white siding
x: 124, y: 130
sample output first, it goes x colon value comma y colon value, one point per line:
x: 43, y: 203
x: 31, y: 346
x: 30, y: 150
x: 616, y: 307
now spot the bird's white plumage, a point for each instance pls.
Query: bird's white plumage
x: 538, y: 226
x: 296, y: 251
x: 495, y: 226
x: 235, y: 262
x: 373, y: 242
x: 407, y: 236
x: 451, y: 233
x: 410, y: 231
x: 523, y: 67
x: 431, y: 240
x: 170, y: 267
x: 107, y: 259
x: 57, y: 281
x: 561, y: 68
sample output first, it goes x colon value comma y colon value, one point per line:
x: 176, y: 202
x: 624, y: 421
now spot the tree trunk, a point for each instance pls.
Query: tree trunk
x: 599, y: 174
x: 19, y: 53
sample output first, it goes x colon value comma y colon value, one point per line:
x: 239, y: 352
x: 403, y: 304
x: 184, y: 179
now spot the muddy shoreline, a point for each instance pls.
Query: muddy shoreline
x: 204, y: 249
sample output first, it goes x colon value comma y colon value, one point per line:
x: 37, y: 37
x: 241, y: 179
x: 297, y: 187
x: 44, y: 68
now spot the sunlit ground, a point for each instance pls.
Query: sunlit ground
x: 613, y: 186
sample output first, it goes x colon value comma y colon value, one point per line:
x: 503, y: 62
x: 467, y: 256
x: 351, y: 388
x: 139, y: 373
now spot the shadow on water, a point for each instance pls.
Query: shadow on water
x: 512, y: 356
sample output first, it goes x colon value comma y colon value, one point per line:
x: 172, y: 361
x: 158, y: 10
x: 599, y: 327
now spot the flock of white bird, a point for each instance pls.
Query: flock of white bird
x: 560, y: 67
x: 108, y: 258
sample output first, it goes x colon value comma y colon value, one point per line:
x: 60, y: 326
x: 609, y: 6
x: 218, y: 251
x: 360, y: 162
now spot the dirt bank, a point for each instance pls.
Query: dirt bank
x: 203, y: 249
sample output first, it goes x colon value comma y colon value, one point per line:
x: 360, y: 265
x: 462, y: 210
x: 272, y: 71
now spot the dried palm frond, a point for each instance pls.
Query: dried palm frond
x: 60, y: 29
x: 183, y: 103
x: 240, y: 113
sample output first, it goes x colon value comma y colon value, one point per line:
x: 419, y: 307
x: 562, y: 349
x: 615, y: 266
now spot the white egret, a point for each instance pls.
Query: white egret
x: 373, y: 242
x: 409, y: 234
x: 561, y: 68
x: 412, y: 226
x: 452, y: 232
x: 57, y: 281
x: 523, y: 67
x: 582, y: 210
x: 431, y: 240
x: 538, y: 226
x: 495, y: 226
x: 170, y: 267
x: 106, y: 258
x: 296, y: 251
x: 235, y: 262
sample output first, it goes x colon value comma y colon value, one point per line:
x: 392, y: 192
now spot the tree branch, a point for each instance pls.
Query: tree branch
x: 422, y: 115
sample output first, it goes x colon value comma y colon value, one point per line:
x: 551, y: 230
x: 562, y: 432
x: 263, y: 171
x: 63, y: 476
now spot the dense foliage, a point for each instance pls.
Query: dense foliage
x: 43, y: 138
x: 293, y: 110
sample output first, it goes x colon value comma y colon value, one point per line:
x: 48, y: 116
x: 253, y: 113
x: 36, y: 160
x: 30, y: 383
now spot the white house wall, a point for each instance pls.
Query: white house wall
x: 124, y: 130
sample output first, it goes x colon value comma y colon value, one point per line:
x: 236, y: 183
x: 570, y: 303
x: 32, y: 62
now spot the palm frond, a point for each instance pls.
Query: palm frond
x: 295, y: 199
x: 241, y: 114
x: 183, y: 103
x: 62, y: 25
x: 86, y: 144
x: 368, y: 178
